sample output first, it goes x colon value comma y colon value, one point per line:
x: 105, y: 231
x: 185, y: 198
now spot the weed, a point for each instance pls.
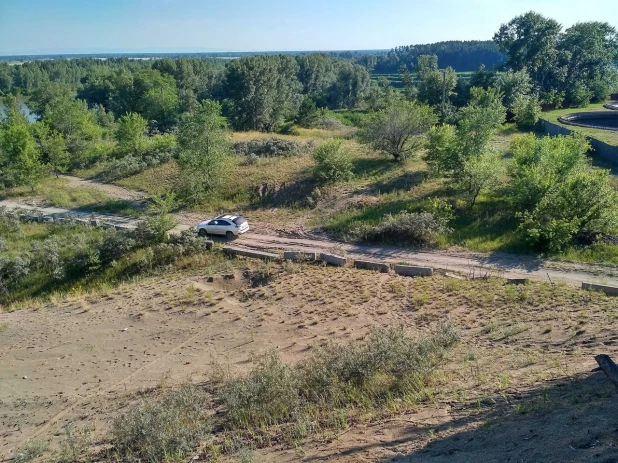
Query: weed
x: 30, y: 450
x: 75, y: 444
x: 155, y: 428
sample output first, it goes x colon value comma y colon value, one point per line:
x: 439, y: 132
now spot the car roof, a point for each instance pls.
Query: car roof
x: 228, y: 217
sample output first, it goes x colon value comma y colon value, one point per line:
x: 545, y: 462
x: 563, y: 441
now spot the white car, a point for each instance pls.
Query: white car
x: 227, y: 225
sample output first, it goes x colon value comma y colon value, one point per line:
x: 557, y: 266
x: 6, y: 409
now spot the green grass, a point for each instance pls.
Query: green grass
x: 608, y: 136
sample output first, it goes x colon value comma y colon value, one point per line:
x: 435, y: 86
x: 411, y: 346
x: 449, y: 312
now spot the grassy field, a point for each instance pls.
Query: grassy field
x: 608, y: 136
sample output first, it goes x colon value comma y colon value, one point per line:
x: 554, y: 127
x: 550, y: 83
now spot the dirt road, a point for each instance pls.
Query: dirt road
x: 461, y: 261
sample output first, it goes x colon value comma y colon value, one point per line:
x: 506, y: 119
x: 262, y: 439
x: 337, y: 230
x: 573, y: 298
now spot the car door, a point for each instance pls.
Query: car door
x: 213, y: 227
x: 224, y: 226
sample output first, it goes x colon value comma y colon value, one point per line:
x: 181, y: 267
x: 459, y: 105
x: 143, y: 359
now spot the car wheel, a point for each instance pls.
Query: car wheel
x: 229, y: 235
x: 202, y: 232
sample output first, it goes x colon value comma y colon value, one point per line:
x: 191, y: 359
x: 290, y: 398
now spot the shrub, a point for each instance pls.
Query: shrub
x: 30, y: 450
x: 3, y: 246
x: 388, y: 364
x: 9, y: 223
x: 12, y: 270
x: 421, y: 228
x: 579, y: 96
x: 46, y: 255
x: 328, y: 123
x: 271, y: 147
x: 123, y: 167
x: 269, y: 395
x: 115, y: 245
x: 333, y: 162
x: 527, y: 111
x: 157, y: 427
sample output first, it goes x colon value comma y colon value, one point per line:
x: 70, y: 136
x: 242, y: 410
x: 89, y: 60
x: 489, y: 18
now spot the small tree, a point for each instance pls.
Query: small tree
x: 478, y: 174
x: 131, y: 134
x: 527, y: 111
x: 203, y: 149
x: 55, y: 148
x: 399, y: 129
x: 332, y: 161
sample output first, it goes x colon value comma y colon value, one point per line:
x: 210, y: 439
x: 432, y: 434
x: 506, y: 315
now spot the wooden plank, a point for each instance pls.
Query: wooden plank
x: 609, y: 368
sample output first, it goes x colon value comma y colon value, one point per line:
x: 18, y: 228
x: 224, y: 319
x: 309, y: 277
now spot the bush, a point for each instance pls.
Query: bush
x: 328, y: 123
x: 269, y: 395
x: 420, y: 228
x: 123, y: 167
x: 333, y: 162
x: 579, y: 96
x: 46, y: 255
x: 600, y: 91
x: 115, y: 245
x: 156, y: 428
x: 30, y: 450
x: 9, y: 223
x: 3, y: 246
x: 388, y: 364
x: 271, y: 147
x: 12, y: 271
x: 527, y: 111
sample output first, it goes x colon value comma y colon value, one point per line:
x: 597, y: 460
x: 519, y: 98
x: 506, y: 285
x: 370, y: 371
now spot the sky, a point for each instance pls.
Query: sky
x: 116, y: 26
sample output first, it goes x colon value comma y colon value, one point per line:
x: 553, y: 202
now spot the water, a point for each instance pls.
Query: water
x: 24, y: 107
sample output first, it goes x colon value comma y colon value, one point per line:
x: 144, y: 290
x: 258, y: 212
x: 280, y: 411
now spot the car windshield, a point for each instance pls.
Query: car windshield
x: 239, y: 221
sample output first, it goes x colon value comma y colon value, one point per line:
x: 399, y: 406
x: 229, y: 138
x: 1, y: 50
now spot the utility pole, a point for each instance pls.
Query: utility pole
x: 443, y: 87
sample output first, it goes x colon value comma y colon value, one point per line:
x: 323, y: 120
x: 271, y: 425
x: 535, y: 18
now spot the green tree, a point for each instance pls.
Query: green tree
x: 53, y: 148
x: 203, y: 149
x: 332, y: 161
x: 433, y: 85
x: 316, y: 73
x: 478, y: 174
x: 350, y: 85
x: 20, y: 162
x: 131, y: 134
x: 426, y: 64
x: 400, y: 129
x: 409, y: 87
x: 307, y: 113
x: 527, y: 111
x: 529, y: 42
x: 261, y: 92
x: 512, y: 85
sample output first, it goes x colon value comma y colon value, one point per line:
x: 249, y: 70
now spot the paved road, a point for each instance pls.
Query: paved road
x: 465, y: 262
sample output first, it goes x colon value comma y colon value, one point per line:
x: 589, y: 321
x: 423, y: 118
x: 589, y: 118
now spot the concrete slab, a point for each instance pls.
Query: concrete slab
x: 250, y: 253
x: 332, y: 259
x: 609, y: 290
x: 412, y: 271
x: 369, y: 265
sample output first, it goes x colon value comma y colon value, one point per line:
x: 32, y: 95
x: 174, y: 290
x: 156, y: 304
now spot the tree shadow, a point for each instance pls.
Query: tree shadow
x: 362, y: 167
x: 404, y: 182
x: 568, y: 420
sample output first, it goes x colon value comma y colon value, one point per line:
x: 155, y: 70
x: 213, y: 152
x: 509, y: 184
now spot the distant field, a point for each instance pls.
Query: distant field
x: 396, y: 82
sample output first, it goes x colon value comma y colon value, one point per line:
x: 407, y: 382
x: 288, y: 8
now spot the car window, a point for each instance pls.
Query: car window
x: 224, y: 223
x: 212, y: 222
x: 239, y: 221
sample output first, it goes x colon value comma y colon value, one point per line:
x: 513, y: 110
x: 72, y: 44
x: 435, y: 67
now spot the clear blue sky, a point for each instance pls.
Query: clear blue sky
x: 84, y: 26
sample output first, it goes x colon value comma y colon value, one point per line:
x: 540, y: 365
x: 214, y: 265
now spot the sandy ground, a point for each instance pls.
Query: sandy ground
x: 114, y: 191
x: 517, y: 388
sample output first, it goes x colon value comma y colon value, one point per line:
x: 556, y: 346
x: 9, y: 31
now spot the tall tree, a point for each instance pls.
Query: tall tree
x: 351, y: 83
x: 203, y: 148
x: 20, y: 162
x: 261, y: 91
x: 131, y: 134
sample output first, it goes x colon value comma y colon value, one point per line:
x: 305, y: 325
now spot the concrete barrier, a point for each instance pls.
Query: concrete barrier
x: 368, y: 265
x: 333, y: 259
x: 300, y: 255
x: 412, y: 271
x: 249, y: 253
x: 609, y: 290
x: 517, y: 281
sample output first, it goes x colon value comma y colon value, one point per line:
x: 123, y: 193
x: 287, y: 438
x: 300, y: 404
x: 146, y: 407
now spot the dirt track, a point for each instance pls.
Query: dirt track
x: 461, y: 261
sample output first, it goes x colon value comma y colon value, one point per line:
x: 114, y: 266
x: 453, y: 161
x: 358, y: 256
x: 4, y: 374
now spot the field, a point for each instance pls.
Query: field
x: 607, y: 136
x: 519, y: 374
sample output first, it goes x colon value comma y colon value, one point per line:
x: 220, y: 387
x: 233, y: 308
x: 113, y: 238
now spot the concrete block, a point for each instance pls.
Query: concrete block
x: 412, y: 271
x: 250, y: 253
x: 368, y: 265
x: 609, y: 290
x: 455, y: 276
x: 517, y: 281
x: 300, y: 255
x: 333, y: 259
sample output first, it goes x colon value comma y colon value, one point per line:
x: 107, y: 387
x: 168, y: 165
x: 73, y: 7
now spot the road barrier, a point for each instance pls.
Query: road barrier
x: 412, y: 271
x: 609, y: 290
x: 333, y: 259
x: 250, y: 253
x: 368, y: 265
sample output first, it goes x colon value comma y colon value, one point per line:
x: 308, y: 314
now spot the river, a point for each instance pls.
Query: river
x: 24, y: 107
